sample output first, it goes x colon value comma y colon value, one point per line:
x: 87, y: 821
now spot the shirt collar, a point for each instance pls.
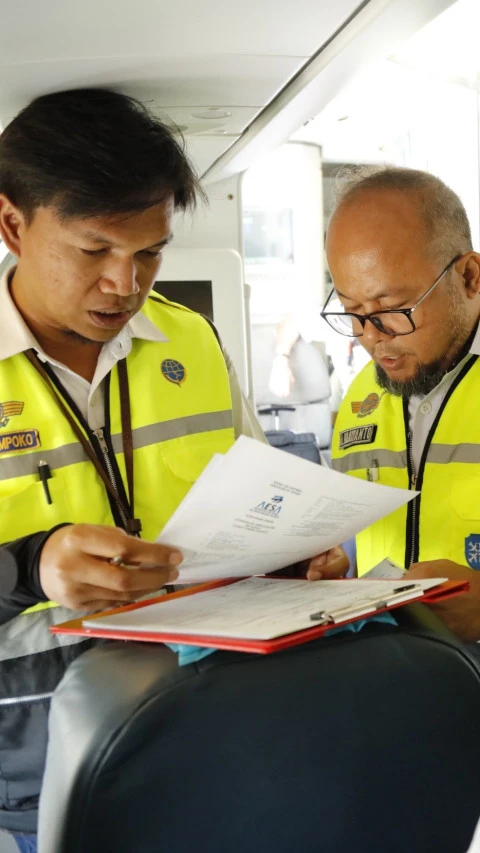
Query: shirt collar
x: 475, y: 345
x: 16, y: 337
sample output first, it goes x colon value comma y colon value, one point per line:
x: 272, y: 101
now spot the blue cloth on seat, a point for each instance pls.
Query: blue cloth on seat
x: 189, y: 654
x: 192, y: 654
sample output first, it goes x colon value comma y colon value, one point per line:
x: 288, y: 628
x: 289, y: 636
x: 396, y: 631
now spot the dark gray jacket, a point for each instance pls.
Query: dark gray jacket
x: 32, y: 662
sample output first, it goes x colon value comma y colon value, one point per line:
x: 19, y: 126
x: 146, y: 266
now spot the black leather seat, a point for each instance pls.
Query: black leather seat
x: 361, y: 743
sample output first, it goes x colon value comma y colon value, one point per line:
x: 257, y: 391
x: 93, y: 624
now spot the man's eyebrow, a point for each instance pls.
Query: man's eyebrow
x: 372, y: 298
x: 164, y: 242
x: 96, y: 237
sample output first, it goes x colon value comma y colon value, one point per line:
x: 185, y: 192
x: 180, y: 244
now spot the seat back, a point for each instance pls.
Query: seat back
x: 302, y: 444
x: 310, y: 394
x: 365, y: 742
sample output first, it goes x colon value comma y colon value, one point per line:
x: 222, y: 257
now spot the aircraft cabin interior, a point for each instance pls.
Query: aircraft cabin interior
x: 274, y: 102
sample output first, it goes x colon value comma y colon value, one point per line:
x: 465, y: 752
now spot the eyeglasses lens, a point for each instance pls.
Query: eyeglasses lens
x: 388, y: 323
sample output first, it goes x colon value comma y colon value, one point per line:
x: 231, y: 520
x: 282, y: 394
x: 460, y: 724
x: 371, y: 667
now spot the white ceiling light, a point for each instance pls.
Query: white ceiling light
x: 212, y: 113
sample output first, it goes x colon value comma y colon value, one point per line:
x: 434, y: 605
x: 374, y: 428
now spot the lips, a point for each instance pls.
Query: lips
x: 109, y: 319
x: 390, y: 362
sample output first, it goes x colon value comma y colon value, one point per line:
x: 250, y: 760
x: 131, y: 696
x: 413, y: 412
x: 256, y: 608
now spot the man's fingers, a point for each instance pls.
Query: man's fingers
x: 336, y: 568
x: 93, y: 572
x: 67, y: 569
x: 331, y: 564
x: 103, y: 541
x: 419, y: 571
x: 314, y: 574
x: 95, y: 598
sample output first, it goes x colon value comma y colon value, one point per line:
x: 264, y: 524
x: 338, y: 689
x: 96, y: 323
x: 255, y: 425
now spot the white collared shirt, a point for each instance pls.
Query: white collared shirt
x: 422, y: 410
x: 16, y: 337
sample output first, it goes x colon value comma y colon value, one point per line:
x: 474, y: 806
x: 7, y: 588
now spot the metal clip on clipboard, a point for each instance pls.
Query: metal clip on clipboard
x: 408, y: 592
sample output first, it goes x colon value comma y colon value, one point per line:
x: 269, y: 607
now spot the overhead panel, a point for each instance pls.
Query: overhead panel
x: 181, y: 57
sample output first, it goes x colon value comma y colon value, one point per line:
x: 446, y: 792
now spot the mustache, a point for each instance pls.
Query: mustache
x: 380, y: 352
x: 114, y: 309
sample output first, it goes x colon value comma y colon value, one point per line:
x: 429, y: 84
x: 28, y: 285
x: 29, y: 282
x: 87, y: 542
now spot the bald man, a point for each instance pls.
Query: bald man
x: 407, y: 285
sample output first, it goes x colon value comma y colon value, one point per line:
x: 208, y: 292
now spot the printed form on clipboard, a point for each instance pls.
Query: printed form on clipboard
x: 259, y: 614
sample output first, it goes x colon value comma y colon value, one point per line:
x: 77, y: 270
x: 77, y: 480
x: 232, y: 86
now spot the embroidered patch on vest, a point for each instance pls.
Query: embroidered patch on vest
x: 357, y: 435
x: 472, y: 550
x: 173, y: 371
x: 22, y: 440
x: 9, y: 410
x: 367, y: 406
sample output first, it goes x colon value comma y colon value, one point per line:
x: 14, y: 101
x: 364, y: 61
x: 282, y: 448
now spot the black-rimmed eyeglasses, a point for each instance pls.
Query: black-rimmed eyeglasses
x: 394, y: 321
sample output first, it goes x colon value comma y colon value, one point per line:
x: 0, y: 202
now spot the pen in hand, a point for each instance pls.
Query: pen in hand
x: 122, y: 563
x: 45, y: 475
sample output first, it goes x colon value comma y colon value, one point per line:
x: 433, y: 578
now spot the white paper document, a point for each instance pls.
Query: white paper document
x: 257, y: 509
x: 264, y: 608
x: 386, y: 568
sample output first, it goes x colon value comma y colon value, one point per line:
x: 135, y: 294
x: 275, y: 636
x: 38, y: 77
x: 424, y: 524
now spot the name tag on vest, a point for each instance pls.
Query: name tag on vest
x: 22, y: 440
x: 357, y: 435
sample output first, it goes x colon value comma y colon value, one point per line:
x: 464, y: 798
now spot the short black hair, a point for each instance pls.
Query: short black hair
x: 92, y: 152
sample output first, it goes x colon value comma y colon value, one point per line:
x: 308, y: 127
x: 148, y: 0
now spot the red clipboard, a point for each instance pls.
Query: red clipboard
x: 265, y: 647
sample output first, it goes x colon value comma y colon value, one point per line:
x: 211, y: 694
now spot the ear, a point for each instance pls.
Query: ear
x: 12, y: 225
x: 469, y: 267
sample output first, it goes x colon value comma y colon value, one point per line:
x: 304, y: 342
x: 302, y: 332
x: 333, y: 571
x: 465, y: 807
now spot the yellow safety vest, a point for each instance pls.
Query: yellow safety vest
x: 371, y: 441
x: 181, y: 412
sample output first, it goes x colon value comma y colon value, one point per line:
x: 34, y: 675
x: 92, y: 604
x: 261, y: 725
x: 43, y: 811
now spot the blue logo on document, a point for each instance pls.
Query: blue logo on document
x: 271, y: 507
x: 472, y: 550
x: 173, y: 370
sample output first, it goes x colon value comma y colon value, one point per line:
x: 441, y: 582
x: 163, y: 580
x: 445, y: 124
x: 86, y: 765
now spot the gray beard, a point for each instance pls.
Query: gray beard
x: 426, y: 378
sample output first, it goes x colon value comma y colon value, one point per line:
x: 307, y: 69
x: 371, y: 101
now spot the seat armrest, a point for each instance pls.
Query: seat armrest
x: 99, y: 692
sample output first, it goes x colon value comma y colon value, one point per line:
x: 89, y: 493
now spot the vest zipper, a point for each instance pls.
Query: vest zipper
x: 412, y: 511
x: 99, y: 435
x: 22, y: 700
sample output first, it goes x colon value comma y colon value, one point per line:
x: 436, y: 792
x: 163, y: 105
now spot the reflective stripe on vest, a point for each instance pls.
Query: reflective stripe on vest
x: 23, y: 465
x: 177, y: 427
x: 449, y: 505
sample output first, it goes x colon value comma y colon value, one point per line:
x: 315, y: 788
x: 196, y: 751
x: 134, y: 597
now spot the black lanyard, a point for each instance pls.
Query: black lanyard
x: 134, y: 525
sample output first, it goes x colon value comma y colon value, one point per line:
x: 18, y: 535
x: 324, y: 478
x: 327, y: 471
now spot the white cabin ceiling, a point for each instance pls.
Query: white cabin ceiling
x: 184, y: 57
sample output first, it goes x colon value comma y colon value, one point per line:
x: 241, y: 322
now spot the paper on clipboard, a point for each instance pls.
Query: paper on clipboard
x: 263, y: 608
x: 257, y: 509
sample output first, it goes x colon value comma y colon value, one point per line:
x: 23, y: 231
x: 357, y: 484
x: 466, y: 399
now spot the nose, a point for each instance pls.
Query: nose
x: 372, y: 336
x: 120, y: 277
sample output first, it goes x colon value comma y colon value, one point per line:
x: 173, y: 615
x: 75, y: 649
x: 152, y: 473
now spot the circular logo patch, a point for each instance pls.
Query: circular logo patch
x: 173, y: 371
x: 369, y: 404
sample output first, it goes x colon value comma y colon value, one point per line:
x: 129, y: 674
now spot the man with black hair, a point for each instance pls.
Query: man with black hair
x: 112, y: 401
x: 92, y: 443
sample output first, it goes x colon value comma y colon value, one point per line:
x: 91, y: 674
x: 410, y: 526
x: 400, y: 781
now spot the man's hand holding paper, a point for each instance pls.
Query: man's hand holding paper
x: 333, y: 563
